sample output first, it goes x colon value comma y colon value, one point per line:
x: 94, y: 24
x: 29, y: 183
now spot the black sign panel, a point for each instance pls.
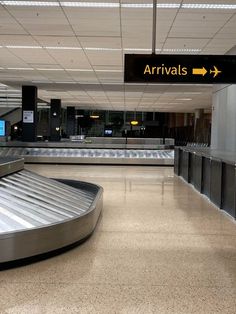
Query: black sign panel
x: 199, y: 69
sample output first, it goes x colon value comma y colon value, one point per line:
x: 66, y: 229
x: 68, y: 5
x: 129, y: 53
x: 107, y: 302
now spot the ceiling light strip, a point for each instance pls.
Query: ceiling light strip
x: 23, y: 47
x: 31, y: 3
x: 23, y: 69
x: 208, y: 6
x: 62, y: 48
x: 101, y: 48
x: 80, y: 4
x: 90, y: 4
x: 150, y: 5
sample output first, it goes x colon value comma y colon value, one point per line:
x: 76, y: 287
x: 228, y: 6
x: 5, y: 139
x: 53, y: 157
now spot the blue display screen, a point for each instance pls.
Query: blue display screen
x: 2, y: 128
x: 108, y: 132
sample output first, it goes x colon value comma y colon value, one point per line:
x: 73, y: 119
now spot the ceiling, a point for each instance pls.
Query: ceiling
x: 74, y: 50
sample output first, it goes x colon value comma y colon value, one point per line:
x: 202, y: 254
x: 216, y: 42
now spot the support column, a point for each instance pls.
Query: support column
x: 199, y: 126
x: 55, y: 120
x: 70, y: 121
x: 29, y: 113
x: 224, y: 116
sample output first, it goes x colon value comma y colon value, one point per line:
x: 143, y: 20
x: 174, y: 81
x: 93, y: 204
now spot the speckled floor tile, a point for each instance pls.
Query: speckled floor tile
x: 159, y: 247
x: 74, y: 298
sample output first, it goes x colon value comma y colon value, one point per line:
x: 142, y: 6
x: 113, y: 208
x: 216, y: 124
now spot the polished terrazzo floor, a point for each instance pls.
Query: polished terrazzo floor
x: 159, y: 247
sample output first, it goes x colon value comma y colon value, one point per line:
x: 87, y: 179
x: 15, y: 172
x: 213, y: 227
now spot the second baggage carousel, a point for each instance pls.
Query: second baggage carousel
x: 91, y: 155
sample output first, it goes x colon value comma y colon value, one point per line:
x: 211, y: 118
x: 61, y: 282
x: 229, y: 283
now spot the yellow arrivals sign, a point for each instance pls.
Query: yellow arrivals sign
x: 197, y: 69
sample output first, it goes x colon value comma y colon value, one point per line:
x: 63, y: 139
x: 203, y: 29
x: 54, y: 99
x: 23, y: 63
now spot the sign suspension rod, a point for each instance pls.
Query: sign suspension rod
x: 154, y: 26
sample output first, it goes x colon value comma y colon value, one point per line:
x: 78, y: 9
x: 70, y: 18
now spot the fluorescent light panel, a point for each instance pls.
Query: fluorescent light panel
x: 102, y: 49
x: 81, y: 4
x: 31, y: 3
x: 90, y: 4
x: 59, y: 69
x: 23, y: 47
x: 23, y: 69
x: 62, y: 48
x: 208, y: 6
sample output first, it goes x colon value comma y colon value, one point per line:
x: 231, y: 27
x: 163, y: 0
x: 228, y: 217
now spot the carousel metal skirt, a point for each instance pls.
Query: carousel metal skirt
x: 39, y: 215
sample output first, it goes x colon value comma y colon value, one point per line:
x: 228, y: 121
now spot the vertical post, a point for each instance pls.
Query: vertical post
x: 55, y: 120
x: 154, y: 26
x: 29, y: 113
x: 70, y: 121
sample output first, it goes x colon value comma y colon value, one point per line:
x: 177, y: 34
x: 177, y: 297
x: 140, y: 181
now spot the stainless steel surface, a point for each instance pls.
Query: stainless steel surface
x: 38, y: 214
x: 224, y: 156
x: 104, y: 156
x: 97, y: 142
x: 10, y: 164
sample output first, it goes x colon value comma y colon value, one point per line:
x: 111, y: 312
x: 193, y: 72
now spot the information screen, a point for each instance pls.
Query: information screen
x: 2, y: 128
x: 108, y: 132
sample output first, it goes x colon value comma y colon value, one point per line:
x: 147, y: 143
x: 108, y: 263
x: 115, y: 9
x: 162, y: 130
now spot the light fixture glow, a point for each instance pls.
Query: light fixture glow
x: 23, y: 47
x: 181, y: 50
x: 102, y: 49
x: 23, y: 69
x: 101, y: 70
x: 134, y: 122
x: 80, y: 4
x: 45, y: 69
x: 62, y: 48
x: 183, y: 99
x: 79, y: 70
x: 90, y: 4
x: 138, y: 49
x: 208, y: 6
x: 150, y: 5
x: 94, y: 116
x: 31, y: 3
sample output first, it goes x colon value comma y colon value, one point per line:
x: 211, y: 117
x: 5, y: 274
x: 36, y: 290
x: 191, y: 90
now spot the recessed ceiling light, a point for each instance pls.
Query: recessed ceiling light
x: 183, y: 99
x: 181, y: 50
x: 46, y: 69
x: 63, y: 48
x: 81, y: 4
x: 138, y: 49
x: 31, y: 3
x: 79, y: 70
x: 150, y: 5
x: 23, y: 69
x: 102, y: 49
x: 208, y: 6
x: 23, y: 47
x: 108, y: 70
x: 89, y: 4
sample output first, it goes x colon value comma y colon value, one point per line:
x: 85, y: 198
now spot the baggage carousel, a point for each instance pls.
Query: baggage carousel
x: 39, y: 215
x: 91, y: 155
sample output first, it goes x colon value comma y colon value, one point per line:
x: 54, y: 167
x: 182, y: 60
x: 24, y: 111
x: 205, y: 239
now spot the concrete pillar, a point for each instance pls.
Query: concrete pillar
x: 223, y: 129
x: 29, y: 113
x: 55, y: 120
x: 224, y: 118
x: 199, y: 126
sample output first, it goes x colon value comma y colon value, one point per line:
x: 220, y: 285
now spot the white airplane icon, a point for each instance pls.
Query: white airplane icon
x: 215, y: 71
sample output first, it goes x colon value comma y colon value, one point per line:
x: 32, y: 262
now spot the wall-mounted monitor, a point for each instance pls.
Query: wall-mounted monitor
x: 108, y: 132
x: 2, y: 128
